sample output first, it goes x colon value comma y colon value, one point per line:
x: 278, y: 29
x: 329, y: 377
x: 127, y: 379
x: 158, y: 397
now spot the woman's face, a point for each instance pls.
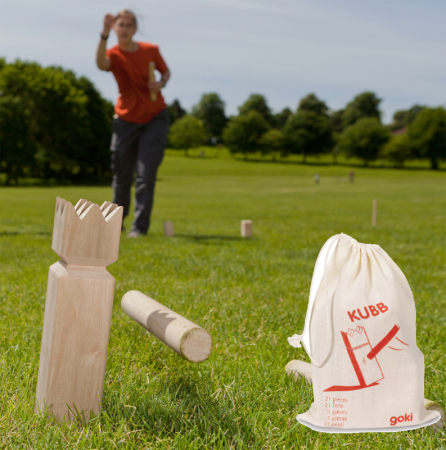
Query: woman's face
x: 125, y: 28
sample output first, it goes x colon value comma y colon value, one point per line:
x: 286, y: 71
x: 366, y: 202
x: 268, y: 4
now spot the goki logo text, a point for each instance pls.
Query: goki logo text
x: 406, y: 418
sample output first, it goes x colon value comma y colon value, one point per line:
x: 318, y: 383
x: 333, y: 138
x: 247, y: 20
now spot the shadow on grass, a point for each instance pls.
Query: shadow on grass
x: 182, y: 405
x: 202, y: 238
x: 339, y: 164
x: 23, y: 233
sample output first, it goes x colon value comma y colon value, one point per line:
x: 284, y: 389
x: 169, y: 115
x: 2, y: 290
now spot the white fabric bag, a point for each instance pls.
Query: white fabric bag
x: 368, y: 373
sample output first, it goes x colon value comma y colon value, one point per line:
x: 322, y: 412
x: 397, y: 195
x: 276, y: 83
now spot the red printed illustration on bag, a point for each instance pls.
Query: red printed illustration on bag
x: 363, y: 357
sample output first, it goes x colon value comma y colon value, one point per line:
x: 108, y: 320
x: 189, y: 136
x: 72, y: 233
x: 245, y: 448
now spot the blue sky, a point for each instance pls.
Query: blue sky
x: 283, y: 49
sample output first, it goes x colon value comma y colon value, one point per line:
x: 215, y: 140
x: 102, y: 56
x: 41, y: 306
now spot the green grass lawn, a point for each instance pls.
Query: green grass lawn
x: 250, y: 294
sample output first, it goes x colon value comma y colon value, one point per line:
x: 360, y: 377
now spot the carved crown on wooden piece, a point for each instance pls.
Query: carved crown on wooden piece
x: 87, y: 234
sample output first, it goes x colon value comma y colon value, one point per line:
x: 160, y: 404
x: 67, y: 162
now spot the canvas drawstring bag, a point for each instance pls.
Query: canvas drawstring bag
x: 367, y: 371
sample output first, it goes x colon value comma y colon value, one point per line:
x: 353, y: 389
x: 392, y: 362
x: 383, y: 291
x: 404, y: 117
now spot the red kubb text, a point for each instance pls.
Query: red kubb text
x: 369, y: 311
x: 406, y: 418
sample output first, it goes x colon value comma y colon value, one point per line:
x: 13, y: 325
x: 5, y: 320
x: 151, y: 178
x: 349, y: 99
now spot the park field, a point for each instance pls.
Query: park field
x: 250, y: 294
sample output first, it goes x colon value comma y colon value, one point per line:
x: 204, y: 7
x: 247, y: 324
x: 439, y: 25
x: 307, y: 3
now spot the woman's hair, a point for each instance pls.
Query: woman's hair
x: 127, y: 12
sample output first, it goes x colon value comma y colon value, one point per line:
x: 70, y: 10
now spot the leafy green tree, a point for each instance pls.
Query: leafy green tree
x: 273, y: 142
x: 280, y: 119
x: 337, y: 128
x: 405, y: 117
x: 68, y: 121
x: 308, y: 133
x: 397, y: 150
x: 337, y: 121
x: 312, y: 103
x: 17, y: 148
x: 211, y: 110
x: 243, y: 132
x: 186, y: 133
x: 364, y: 139
x: 95, y: 160
x: 363, y: 105
x: 257, y: 102
x: 427, y: 135
x: 176, y: 111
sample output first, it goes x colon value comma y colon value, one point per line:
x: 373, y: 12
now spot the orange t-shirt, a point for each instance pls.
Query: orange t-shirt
x: 131, y: 70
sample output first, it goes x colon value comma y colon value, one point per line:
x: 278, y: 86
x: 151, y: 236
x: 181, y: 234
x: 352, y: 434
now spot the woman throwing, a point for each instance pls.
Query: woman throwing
x: 140, y: 124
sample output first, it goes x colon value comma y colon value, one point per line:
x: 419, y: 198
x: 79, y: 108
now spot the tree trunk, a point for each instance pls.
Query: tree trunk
x: 434, y: 164
x: 304, y: 158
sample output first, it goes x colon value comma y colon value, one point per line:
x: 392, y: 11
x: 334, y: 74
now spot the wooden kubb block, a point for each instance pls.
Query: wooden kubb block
x: 246, y: 228
x: 78, y: 309
x: 169, y: 230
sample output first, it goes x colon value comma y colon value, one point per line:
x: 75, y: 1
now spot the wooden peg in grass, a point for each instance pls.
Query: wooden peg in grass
x: 168, y: 229
x: 152, y: 78
x: 246, y: 228
x: 298, y: 368
x: 189, y: 340
x: 78, y: 309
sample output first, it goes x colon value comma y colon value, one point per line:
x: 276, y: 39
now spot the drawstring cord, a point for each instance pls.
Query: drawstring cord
x: 297, y: 339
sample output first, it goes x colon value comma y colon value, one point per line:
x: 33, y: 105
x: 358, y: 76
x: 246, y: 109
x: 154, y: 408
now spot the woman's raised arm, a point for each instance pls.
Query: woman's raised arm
x: 101, y: 58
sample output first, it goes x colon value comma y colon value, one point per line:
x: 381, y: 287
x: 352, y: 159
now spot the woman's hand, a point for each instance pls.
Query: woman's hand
x: 155, y: 86
x: 109, y: 19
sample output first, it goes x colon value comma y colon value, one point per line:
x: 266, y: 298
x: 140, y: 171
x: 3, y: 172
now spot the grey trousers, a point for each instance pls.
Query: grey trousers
x: 141, y: 147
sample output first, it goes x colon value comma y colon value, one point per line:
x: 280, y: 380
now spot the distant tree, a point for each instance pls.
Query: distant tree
x: 279, y: 119
x: 17, y: 148
x: 336, y: 127
x: 257, y: 102
x: 312, y: 103
x: 186, y: 133
x: 403, y: 118
x: 99, y: 114
x: 364, y: 139
x: 397, y: 150
x: 336, y: 120
x: 427, y: 135
x: 363, y: 105
x: 66, y: 118
x: 243, y: 132
x: 176, y: 111
x: 273, y: 142
x: 308, y: 133
x: 211, y: 110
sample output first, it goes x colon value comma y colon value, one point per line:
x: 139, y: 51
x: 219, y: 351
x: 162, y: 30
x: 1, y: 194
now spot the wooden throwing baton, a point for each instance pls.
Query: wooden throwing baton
x: 152, y: 78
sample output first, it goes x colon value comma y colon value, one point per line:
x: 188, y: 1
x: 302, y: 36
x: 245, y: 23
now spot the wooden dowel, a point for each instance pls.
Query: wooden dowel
x: 434, y: 406
x: 299, y: 368
x: 374, y: 212
x: 189, y: 340
x: 168, y: 229
x: 246, y: 228
x: 152, y: 78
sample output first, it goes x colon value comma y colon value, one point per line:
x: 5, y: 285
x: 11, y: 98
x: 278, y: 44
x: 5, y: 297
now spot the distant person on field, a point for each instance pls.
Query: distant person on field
x: 140, y: 125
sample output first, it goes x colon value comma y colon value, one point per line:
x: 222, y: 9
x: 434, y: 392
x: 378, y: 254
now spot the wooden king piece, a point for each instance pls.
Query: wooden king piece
x: 78, y: 309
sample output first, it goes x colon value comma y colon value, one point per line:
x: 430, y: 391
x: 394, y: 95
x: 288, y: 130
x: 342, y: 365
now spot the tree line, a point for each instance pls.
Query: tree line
x: 313, y: 129
x: 55, y: 125
x: 52, y: 125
